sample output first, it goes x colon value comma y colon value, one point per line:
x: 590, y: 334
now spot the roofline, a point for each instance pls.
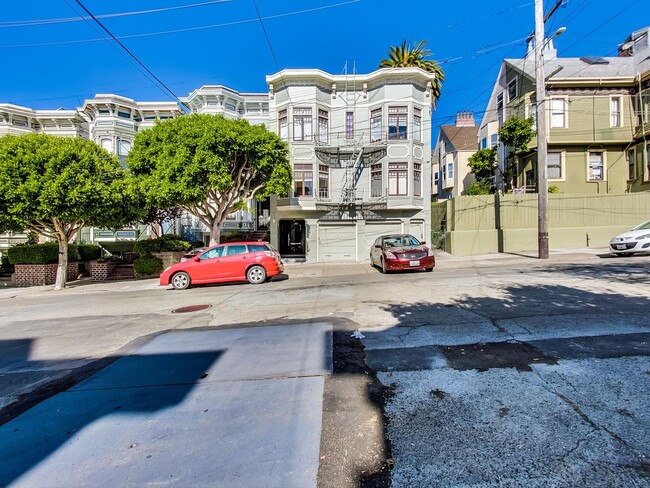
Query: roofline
x: 294, y: 74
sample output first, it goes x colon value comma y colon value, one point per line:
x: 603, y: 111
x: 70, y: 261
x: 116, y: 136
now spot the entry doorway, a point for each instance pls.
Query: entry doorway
x: 292, y: 238
x: 263, y: 214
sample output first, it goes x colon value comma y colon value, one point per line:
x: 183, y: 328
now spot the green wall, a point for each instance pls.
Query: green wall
x: 508, y: 223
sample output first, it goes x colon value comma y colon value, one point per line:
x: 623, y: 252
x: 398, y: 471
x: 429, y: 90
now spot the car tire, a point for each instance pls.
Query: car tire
x: 181, y: 280
x: 256, y: 275
x: 384, y: 270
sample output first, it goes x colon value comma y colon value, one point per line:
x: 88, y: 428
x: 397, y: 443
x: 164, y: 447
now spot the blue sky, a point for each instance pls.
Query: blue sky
x: 223, y: 43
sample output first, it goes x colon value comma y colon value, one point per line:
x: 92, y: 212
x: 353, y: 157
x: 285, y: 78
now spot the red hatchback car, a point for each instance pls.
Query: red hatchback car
x: 254, y: 262
x: 401, y: 251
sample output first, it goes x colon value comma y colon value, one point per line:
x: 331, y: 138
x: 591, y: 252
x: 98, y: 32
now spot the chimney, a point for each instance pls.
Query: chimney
x: 465, y: 119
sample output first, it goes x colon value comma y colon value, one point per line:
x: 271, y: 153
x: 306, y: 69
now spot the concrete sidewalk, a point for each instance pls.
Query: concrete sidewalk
x: 236, y: 408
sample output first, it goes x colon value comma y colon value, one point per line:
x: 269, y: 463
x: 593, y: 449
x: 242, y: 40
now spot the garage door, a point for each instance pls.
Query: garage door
x: 379, y: 229
x: 337, y: 243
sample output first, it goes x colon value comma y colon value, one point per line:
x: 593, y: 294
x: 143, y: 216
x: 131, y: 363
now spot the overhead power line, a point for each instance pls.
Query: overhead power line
x: 133, y: 56
x: 30, y: 23
x: 188, y: 29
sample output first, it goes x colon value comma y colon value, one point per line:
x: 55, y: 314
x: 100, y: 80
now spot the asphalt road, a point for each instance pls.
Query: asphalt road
x: 519, y: 373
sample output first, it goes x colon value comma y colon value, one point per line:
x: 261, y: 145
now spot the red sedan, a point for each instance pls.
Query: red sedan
x: 254, y: 262
x: 399, y: 252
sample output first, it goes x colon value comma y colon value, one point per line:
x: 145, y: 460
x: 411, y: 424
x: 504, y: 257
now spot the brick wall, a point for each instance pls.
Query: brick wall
x: 41, y: 274
x: 169, y: 257
x: 101, y: 271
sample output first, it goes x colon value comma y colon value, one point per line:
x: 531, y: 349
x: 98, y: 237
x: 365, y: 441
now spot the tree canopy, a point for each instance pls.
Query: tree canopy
x: 56, y: 185
x: 482, y: 163
x: 406, y: 56
x: 209, y: 165
x: 517, y: 132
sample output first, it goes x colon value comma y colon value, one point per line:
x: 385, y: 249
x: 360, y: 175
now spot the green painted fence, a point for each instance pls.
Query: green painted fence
x: 469, y: 225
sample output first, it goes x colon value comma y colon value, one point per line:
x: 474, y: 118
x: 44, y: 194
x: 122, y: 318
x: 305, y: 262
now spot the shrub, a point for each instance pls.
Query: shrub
x: 196, y: 244
x: 234, y: 236
x: 89, y: 252
x: 148, y: 265
x: 169, y: 242
x: 110, y: 258
x: 5, y: 266
x: 47, y: 253
x: 554, y: 189
x: 481, y: 187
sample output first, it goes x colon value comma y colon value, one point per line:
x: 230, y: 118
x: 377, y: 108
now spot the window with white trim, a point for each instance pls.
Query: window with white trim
x: 323, y: 182
x: 512, y: 89
x: 283, y: 124
x: 500, y: 106
x: 323, y: 126
x: 494, y: 140
x: 375, y: 125
x: 417, y: 124
x: 349, y: 125
x: 302, y: 124
x: 558, y: 114
x: 417, y: 179
x: 376, y: 183
x: 450, y: 170
x: 596, y: 166
x: 554, y: 165
x: 615, y: 112
x: 397, y: 122
x: 303, y: 180
x: 398, y: 179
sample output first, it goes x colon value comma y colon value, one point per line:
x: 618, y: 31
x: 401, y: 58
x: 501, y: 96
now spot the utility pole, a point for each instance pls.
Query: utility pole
x: 542, y: 145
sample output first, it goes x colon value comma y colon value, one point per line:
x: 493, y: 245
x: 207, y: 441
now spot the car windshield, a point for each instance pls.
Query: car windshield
x: 643, y: 226
x: 398, y: 241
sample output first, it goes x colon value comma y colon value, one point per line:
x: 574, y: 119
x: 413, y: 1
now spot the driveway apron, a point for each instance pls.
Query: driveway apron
x: 232, y: 408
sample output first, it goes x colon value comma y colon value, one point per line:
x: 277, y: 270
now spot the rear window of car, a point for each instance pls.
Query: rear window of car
x: 236, y: 249
x: 257, y: 248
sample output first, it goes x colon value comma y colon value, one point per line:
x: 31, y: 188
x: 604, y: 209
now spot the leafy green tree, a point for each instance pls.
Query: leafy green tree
x: 515, y: 133
x: 56, y: 185
x: 480, y: 187
x: 406, y: 56
x: 482, y: 163
x: 209, y: 165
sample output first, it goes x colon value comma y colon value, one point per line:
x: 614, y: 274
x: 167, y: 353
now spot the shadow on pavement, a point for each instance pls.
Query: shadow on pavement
x: 138, y: 384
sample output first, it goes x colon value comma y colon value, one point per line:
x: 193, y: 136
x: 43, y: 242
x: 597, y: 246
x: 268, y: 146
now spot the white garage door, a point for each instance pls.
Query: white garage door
x: 379, y: 229
x: 337, y: 243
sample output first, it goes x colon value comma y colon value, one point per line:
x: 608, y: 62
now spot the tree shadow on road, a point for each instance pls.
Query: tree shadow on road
x: 137, y: 384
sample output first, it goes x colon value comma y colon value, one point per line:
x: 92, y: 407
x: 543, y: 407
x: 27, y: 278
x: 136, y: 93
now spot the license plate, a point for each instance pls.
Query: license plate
x: 414, y: 263
x: 620, y: 246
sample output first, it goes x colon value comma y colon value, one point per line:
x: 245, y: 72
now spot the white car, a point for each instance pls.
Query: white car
x: 635, y: 240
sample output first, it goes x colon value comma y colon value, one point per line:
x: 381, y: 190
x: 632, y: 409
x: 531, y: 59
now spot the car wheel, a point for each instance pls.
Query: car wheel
x: 181, y: 281
x: 256, y: 275
x: 383, y: 267
x: 372, y: 261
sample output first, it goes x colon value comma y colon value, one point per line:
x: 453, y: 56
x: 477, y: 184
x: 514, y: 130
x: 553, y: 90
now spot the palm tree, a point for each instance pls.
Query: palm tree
x: 405, y: 56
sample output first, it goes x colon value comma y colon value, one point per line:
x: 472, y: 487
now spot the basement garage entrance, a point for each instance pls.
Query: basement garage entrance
x: 376, y: 229
x: 337, y: 242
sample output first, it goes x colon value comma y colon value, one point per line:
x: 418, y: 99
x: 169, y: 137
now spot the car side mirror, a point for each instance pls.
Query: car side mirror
x: 196, y: 258
x: 377, y: 246
x: 422, y: 243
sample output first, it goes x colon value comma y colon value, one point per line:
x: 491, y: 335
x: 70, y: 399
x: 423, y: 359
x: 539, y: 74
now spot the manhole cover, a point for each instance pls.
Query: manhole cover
x: 191, y: 308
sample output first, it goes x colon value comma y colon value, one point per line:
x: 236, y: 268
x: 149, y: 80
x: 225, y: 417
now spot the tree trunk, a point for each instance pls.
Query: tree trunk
x: 215, y: 233
x: 62, y: 269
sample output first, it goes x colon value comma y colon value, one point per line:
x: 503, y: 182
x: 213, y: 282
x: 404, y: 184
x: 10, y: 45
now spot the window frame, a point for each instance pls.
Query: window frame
x: 603, y: 166
x: 417, y: 179
x: 303, y: 118
x: 398, y: 171
x: 562, y: 166
x: 616, y: 115
x: 323, y: 126
x: 303, y: 170
x: 283, y: 124
x: 552, y: 113
x: 417, y: 127
x: 349, y: 125
x: 631, y: 164
x: 376, y: 131
x: 323, y: 193
x: 513, y: 82
x: 398, y: 115
x: 377, y: 174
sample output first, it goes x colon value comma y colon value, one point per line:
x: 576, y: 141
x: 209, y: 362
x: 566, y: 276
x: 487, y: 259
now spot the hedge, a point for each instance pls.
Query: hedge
x: 89, y: 252
x: 5, y: 266
x: 169, y: 242
x: 148, y: 265
x: 234, y: 236
x: 47, y: 253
